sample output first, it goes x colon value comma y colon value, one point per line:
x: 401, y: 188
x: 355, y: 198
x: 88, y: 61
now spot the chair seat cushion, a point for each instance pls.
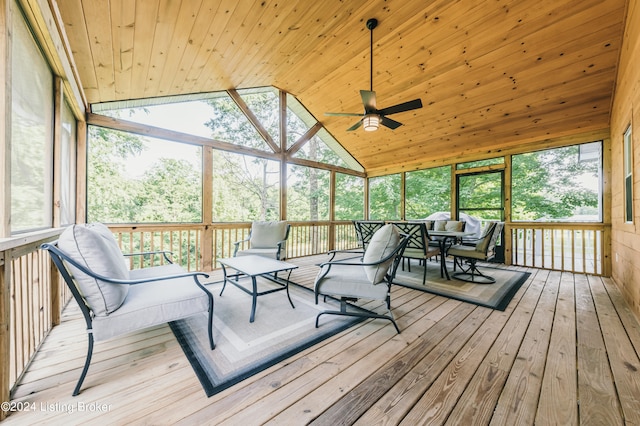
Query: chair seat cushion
x: 153, y: 303
x: 266, y: 252
x: 94, y: 247
x: 350, y: 281
x: 466, y: 251
x: 414, y: 253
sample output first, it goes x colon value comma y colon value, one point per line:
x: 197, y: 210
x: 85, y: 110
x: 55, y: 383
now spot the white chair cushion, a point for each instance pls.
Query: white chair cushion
x: 454, y: 225
x: 153, y: 303
x: 97, y: 250
x: 264, y: 252
x: 383, y: 242
x: 439, y: 225
x: 267, y: 234
x: 349, y: 281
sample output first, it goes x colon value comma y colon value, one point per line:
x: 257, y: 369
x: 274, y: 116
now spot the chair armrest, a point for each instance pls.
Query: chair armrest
x: 398, y: 250
x: 333, y: 253
x: 237, y: 245
x: 164, y: 253
x: 91, y: 273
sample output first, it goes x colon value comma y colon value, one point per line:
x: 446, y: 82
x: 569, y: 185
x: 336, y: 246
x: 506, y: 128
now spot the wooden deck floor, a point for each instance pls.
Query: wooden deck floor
x: 564, y: 352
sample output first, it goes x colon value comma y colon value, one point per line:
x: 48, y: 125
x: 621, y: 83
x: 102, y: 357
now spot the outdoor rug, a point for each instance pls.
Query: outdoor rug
x: 243, y: 348
x: 495, y: 296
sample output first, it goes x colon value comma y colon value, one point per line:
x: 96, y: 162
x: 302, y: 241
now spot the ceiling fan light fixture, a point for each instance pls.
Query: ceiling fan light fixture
x: 371, y: 122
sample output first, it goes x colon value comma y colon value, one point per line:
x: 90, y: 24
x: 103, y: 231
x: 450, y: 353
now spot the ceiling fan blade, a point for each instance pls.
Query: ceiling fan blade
x: 355, y: 126
x: 368, y: 100
x: 405, y: 106
x: 343, y: 114
x: 392, y: 124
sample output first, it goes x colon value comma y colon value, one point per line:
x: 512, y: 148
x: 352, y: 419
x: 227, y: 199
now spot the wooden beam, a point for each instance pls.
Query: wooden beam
x: 461, y: 157
x: 304, y: 139
x: 157, y: 132
x: 253, y: 119
x: 44, y: 19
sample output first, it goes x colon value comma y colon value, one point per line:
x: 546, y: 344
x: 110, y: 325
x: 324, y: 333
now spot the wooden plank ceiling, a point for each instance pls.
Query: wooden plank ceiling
x: 491, y: 74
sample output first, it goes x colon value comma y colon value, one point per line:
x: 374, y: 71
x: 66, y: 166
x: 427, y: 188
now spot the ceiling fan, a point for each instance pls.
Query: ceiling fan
x: 373, y: 117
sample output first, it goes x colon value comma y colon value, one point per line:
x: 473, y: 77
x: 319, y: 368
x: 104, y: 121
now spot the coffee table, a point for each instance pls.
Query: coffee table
x: 253, y: 266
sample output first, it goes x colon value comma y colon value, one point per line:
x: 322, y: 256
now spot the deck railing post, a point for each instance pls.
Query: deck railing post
x: 5, y: 343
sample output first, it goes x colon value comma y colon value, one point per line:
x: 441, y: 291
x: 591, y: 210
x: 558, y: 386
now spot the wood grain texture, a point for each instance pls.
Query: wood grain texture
x: 490, y: 75
x: 452, y: 363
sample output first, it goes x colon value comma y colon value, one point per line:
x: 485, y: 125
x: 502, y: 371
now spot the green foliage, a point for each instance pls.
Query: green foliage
x: 231, y: 125
x: 553, y: 184
x: 110, y: 196
x: 308, y: 194
x: 245, y: 188
x: 171, y: 192
x: 427, y: 191
x: 349, y: 203
x: 384, y: 197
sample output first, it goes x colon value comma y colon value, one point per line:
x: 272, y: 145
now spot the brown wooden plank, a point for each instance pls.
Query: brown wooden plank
x: 478, y: 401
x: 558, y: 395
x: 598, y: 401
x: 430, y: 356
x: 519, y: 398
x: 623, y: 360
x: 147, y: 379
x: 306, y: 408
x: 432, y: 395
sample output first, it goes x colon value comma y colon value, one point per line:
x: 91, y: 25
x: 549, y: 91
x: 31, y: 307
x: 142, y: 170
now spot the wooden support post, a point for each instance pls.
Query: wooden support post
x: 81, y: 172
x: 508, y: 239
x: 206, y: 249
x: 332, y: 211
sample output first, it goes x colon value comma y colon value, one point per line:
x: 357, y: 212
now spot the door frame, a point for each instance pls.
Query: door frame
x: 496, y: 168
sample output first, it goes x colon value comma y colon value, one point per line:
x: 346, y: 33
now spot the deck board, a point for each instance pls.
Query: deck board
x: 565, y: 351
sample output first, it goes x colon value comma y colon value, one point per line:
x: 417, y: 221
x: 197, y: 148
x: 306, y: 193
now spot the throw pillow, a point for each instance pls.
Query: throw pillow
x: 439, y: 225
x: 91, y: 248
x: 382, y: 244
x: 454, y: 225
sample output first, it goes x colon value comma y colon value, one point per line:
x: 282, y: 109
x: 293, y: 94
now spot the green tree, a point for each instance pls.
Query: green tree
x: 384, y: 197
x: 551, y: 184
x: 427, y: 191
x: 111, y: 196
x: 170, y: 192
x: 349, y: 202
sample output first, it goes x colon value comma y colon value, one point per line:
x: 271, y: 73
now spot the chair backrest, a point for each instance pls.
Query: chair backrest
x: 487, y: 244
x: 59, y: 258
x: 365, y: 230
x: 269, y: 234
x: 417, y: 234
x: 383, y: 254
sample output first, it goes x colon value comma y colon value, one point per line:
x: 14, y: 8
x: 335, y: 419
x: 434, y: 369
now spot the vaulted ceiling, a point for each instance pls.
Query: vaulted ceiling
x: 491, y: 73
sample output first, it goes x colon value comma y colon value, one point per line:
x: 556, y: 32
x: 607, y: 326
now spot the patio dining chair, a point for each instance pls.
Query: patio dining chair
x: 369, y: 278
x: 466, y: 256
x: 418, y: 247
